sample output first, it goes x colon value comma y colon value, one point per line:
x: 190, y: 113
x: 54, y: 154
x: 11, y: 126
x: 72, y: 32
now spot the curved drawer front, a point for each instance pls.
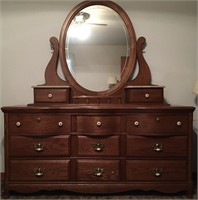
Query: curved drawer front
x: 97, y: 146
x: 39, y: 123
x: 98, y: 170
x: 39, y: 170
x: 98, y: 124
x: 156, y: 147
x: 157, y: 124
x: 156, y: 170
x: 38, y: 147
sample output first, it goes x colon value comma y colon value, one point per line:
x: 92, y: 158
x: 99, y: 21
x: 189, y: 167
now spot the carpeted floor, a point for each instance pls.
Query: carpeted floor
x: 132, y: 195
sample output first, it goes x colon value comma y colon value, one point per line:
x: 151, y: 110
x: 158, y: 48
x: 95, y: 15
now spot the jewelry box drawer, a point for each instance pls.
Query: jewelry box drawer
x: 98, y: 146
x: 98, y: 124
x: 39, y: 170
x: 98, y: 170
x: 51, y: 95
x: 22, y: 146
x: 144, y: 95
x: 157, y: 124
x: 156, y: 147
x: 156, y: 170
x: 38, y: 123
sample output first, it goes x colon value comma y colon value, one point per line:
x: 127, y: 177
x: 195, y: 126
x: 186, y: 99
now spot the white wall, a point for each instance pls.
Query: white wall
x: 169, y: 27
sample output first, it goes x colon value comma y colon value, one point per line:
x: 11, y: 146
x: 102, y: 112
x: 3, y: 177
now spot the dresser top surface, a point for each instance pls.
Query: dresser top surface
x: 73, y: 108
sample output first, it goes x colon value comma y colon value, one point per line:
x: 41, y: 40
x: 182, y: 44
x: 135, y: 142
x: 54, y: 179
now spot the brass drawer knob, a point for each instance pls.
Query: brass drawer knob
x: 50, y: 96
x: 99, y: 124
x: 99, y: 172
x: 38, y: 172
x: 157, y: 172
x: 157, y: 147
x: 98, y: 147
x: 18, y: 124
x: 136, y: 123
x: 60, y: 124
x: 179, y: 123
x: 147, y: 96
x: 38, y: 147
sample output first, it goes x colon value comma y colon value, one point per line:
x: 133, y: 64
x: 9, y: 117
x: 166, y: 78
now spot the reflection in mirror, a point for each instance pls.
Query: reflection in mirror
x: 96, y: 41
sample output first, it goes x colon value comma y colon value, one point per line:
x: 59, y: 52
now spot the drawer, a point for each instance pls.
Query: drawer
x: 157, y: 124
x: 144, y: 95
x: 156, y: 170
x: 98, y: 146
x: 98, y: 170
x: 39, y: 170
x: 22, y: 146
x: 98, y: 124
x: 51, y: 95
x: 156, y: 147
x: 38, y: 123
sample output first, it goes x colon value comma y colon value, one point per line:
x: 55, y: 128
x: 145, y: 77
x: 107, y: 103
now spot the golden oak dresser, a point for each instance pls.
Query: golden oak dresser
x: 122, y: 138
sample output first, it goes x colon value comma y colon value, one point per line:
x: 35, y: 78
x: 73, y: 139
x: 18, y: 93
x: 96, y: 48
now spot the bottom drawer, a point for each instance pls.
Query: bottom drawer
x: 98, y: 170
x: 156, y: 170
x: 39, y: 170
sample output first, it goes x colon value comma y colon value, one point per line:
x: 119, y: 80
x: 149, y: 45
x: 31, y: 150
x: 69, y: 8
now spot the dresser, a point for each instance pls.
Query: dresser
x: 123, y: 138
x: 98, y: 149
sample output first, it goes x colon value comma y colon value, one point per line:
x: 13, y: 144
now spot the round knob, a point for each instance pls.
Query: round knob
x: 99, y: 124
x: 179, y: 123
x: 50, y: 96
x: 18, y: 124
x: 136, y: 123
x: 60, y: 124
x: 147, y: 96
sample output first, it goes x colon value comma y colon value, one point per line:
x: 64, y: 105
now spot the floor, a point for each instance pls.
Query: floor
x: 132, y: 195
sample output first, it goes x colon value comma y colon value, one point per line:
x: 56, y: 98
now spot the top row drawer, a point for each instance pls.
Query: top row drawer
x: 38, y: 123
x: 98, y: 124
x: 176, y: 124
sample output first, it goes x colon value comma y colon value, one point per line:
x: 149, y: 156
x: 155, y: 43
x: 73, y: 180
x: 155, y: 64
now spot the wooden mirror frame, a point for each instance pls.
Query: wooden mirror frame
x: 126, y: 74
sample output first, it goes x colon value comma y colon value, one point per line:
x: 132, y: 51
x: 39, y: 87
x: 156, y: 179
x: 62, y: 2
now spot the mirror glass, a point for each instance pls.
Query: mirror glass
x: 97, y: 46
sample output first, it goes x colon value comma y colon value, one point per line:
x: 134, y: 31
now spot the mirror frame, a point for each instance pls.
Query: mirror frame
x: 126, y: 74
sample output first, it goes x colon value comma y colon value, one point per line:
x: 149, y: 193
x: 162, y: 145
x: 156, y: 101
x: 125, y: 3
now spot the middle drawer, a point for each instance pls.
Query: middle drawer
x: 98, y: 124
x: 98, y: 146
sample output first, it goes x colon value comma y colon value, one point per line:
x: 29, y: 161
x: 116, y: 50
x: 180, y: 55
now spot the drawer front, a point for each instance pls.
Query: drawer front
x: 49, y: 95
x: 97, y: 146
x: 39, y: 170
x: 156, y: 170
x: 21, y: 146
x: 156, y: 147
x: 144, y: 95
x: 98, y: 170
x: 157, y: 124
x: 38, y: 123
x: 98, y: 124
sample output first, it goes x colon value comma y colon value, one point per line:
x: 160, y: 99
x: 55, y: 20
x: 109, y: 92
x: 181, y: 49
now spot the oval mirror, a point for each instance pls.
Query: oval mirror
x: 97, y: 47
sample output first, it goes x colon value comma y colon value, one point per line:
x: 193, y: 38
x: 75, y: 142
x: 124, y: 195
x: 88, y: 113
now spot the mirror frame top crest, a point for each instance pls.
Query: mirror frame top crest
x: 128, y: 69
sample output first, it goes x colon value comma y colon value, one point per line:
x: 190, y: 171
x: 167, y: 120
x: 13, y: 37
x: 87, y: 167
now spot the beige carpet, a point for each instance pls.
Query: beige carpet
x: 132, y: 195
